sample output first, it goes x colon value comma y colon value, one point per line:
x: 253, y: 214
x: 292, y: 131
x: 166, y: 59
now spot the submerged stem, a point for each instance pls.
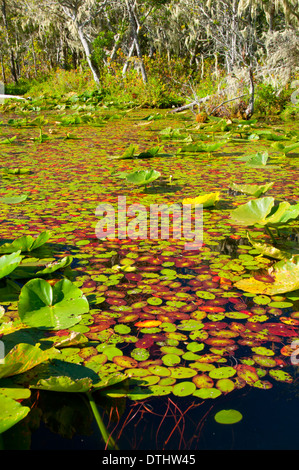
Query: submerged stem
x: 270, y: 234
x: 110, y: 443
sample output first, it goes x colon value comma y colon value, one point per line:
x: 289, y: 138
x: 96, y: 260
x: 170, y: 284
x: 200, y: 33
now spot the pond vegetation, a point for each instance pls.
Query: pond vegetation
x: 126, y: 321
x: 149, y: 263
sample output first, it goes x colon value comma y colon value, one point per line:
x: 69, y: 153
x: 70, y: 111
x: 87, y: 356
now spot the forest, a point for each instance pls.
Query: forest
x: 157, y: 53
x: 149, y: 208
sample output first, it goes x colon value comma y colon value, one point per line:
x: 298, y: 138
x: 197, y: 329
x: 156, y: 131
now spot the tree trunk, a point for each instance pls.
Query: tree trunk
x: 11, y: 53
x: 250, y: 109
x: 34, y: 57
x: 135, y: 31
x: 125, y: 67
x: 3, y: 69
x: 87, y: 51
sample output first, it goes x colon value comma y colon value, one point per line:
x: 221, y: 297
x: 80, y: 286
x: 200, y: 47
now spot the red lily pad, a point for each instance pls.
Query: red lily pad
x: 247, y: 373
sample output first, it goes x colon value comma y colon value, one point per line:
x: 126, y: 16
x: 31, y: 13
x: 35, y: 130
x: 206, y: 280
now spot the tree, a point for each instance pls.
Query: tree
x: 9, y: 38
x: 78, y: 17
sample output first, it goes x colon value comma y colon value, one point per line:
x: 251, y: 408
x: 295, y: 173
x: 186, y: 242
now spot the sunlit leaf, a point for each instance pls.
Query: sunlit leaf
x: 11, y: 412
x: 285, y: 276
x: 46, y: 307
x: 251, y: 189
x: 206, y: 200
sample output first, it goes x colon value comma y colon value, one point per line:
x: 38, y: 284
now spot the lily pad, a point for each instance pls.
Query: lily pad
x: 251, y: 189
x: 143, y: 177
x: 222, y: 372
x: 225, y: 385
x: 263, y: 212
x: 8, y: 263
x: 207, y: 200
x: 23, y: 357
x: 11, y: 412
x: 206, y: 393
x: 26, y: 243
x: 46, y: 307
x: 171, y: 359
x: 228, y: 416
x: 280, y: 376
x: 284, y: 275
x: 64, y: 384
x: 183, y: 389
x: 13, y: 199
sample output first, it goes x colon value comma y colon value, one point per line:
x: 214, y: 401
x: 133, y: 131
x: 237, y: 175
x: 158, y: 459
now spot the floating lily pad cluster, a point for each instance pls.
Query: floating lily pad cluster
x: 147, y: 315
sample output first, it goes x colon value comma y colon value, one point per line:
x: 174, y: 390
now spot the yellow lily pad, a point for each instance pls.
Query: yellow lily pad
x: 206, y: 200
x: 285, y: 275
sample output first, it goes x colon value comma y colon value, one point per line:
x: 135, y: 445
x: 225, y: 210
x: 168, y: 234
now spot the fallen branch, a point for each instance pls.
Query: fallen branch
x: 192, y: 105
x: 226, y: 101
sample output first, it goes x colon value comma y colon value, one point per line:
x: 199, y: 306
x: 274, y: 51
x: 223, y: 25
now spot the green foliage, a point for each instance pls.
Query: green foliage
x: 41, y: 306
x: 264, y: 212
x: 8, y: 263
x: 251, y: 189
x: 143, y: 177
x: 102, y: 41
x: 26, y: 243
x: 270, y: 100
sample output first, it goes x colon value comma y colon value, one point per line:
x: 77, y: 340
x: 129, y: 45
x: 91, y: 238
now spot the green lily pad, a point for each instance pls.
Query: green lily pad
x: 206, y: 393
x: 110, y: 351
x: 154, y: 301
x: 64, y: 384
x: 143, y: 177
x: 159, y: 370
x: 222, y: 372
x: 26, y: 243
x: 11, y: 412
x: 228, y: 416
x: 268, y: 250
x: 204, y: 147
x: 13, y: 199
x: 261, y: 350
x: 140, y: 354
x: 257, y: 160
x: 280, y: 376
x: 46, y: 307
x: 263, y: 212
x: 251, y: 189
x: 264, y: 361
x: 181, y: 372
x: 225, y: 385
x: 183, y: 389
x: 170, y: 359
x: 23, y: 357
x: 160, y: 390
x: 285, y: 149
x: 8, y: 263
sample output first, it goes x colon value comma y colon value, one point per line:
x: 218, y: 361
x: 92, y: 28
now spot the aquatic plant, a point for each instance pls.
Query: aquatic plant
x: 285, y: 149
x: 281, y: 278
x: 254, y: 190
x: 26, y: 243
x: 143, y: 177
x: 207, y: 200
x: 264, y: 212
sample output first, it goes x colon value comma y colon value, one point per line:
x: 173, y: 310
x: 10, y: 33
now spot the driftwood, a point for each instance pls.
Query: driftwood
x: 8, y: 97
x: 198, y: 102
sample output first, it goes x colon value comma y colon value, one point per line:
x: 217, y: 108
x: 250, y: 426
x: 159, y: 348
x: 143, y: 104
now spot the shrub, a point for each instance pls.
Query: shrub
x: 270, y: 100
